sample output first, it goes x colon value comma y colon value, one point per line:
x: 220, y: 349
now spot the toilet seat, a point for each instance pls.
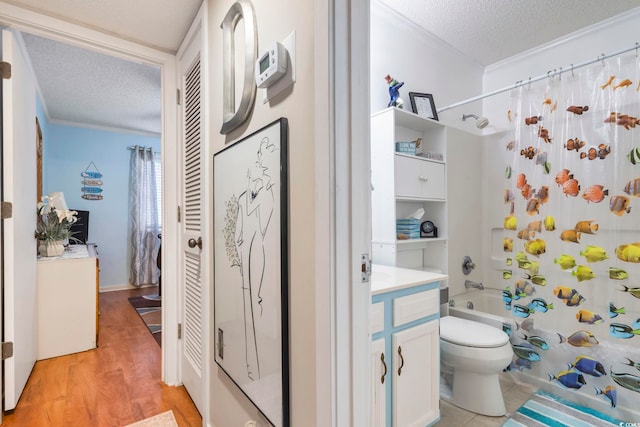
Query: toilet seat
x: 468, y: 333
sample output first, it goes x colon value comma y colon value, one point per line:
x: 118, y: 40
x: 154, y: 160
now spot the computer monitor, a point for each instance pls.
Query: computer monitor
x: 80, y: 228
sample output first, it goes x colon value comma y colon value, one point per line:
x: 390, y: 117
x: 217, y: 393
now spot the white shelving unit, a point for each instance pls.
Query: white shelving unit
x: 403, y: 184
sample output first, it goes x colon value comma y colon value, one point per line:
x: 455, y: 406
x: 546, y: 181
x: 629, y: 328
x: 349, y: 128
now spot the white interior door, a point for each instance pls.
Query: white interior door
x: 192, y: 227
x: 19, y: 186
x: 1, y: 220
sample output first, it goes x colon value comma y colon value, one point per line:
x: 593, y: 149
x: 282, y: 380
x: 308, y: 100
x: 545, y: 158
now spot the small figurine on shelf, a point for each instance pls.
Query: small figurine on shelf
x: 394, y: 92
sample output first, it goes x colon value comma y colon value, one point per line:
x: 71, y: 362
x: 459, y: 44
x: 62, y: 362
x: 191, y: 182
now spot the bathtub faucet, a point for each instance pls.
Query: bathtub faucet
x: 469, y: 284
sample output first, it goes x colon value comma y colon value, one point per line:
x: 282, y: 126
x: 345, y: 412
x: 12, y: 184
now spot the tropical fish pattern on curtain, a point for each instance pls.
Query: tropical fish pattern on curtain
x: 571, y: 280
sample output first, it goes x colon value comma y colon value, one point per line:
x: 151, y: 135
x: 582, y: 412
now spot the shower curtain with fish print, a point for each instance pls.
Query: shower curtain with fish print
x: 572, y: 233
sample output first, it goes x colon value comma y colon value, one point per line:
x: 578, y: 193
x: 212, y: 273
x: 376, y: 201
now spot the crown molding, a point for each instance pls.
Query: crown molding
x: 633, y: 14
x: 103, y: 128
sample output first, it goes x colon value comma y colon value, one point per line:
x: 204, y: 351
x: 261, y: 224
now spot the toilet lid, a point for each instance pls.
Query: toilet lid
x: 456, y: 330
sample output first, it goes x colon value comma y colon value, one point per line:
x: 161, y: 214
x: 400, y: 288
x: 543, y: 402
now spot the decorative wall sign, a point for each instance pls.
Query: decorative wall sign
x: 422, y: 104
x: 251, y: 268
x: 240, y: 10
x: 91, y: 183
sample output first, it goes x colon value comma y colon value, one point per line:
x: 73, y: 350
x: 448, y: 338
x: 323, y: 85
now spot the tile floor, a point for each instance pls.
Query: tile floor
x: 514, y: 396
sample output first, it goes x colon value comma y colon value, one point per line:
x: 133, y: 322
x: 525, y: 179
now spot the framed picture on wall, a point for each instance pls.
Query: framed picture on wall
x: 251, y: 256
x: 422, y: 104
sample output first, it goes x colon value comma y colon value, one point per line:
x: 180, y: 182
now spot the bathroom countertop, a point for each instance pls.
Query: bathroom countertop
x: 386, y: 278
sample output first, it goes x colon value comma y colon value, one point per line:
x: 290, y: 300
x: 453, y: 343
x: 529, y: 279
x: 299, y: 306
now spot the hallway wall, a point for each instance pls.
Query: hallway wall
x: 276, y: 20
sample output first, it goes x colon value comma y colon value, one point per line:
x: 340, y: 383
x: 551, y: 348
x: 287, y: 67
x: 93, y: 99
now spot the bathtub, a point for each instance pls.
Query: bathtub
x: 488, y: 308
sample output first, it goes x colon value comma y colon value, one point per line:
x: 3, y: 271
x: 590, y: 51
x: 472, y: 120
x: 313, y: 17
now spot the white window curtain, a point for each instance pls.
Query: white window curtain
x: 144, y: 226
x: 158, y: 162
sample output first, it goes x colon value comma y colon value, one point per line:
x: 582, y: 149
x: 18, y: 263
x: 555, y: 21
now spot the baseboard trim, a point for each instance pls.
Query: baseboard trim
x: 125, y: 287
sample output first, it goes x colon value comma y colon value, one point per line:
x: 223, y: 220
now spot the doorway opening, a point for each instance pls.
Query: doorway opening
x: 92, y: 109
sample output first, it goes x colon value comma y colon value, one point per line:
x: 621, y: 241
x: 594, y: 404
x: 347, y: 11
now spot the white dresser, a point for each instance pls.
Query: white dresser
x: 67, y: 302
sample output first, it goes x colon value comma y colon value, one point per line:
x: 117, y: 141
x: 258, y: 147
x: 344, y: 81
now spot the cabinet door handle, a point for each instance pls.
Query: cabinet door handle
x: 423, y: 178
x: 384, y: 366
x: 401, y: 360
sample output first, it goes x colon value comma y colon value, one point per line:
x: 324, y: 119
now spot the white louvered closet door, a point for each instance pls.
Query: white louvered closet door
x: 193, y: 342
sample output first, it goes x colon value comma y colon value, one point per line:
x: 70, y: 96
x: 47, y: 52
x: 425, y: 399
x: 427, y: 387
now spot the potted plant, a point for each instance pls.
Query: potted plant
x: 53, y: 229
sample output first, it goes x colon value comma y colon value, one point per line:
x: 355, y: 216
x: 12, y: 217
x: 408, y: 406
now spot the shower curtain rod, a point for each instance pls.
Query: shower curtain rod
x: 535, y: 79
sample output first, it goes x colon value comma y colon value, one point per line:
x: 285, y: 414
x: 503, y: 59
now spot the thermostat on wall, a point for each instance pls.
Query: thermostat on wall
x: 271, y: 65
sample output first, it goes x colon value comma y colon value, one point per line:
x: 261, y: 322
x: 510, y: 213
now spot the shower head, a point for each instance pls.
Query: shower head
x: 481, y: 122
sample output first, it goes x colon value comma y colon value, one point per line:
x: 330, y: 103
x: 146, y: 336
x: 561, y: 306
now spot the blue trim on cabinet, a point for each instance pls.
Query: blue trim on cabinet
x: 387, y: 299
x: 405, y: 291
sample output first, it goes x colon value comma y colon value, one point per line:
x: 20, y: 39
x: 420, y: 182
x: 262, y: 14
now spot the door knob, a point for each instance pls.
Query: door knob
x: 193, y: 243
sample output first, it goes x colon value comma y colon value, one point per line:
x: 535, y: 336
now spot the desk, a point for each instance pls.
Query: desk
x: 67, y: 294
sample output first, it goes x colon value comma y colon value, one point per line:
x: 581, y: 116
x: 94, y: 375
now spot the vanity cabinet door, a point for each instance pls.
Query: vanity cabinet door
x: 380, y: 374
x: 418, y: 178
x: 416, y: 366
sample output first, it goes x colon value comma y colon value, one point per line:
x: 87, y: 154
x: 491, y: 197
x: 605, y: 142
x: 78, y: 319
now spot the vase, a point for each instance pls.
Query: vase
x: 51, y: 248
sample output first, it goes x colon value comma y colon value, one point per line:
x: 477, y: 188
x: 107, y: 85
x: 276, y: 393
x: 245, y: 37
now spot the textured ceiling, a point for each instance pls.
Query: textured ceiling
x: 161, y: 24
x: 492, y: 30
x: 82, y: 86
x: 485, y: 30
x: 86, y: 87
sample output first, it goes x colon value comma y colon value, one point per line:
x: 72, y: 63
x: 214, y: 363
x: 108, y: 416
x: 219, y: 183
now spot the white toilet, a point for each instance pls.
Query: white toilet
x: 472, y: 355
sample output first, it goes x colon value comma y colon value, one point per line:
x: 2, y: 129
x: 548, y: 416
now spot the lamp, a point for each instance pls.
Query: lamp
x: 481, y: 122
x: 56, y: 200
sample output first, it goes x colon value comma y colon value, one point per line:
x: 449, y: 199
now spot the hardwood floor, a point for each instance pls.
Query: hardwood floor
x: 114, y: 385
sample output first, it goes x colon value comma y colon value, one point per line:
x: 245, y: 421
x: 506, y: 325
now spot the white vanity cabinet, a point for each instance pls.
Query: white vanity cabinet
x: 405, y: 351
x: 404, y: 183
